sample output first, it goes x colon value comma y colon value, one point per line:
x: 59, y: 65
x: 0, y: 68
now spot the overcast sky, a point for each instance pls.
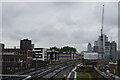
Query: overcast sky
x: 58, y: 23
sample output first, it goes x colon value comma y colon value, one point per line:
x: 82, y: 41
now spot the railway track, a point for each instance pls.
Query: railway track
x: 43, y: 73
x: 50, y: 73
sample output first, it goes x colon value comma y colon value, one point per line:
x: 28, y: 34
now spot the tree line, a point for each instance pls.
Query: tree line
x: 66, y: 49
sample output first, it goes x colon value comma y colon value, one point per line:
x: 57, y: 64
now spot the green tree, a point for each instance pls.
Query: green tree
x: 66, y: 49
x: 54, y: 48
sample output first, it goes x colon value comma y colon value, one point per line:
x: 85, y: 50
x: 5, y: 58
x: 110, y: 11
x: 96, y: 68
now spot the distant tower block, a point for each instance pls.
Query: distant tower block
x: 25, y: 44
x: 89, y: 48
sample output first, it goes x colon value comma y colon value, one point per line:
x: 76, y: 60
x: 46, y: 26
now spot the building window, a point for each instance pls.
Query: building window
x: 16, y: 59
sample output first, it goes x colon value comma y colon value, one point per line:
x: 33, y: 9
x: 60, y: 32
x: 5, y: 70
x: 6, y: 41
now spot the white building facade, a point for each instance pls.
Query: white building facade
x: 40, y: 54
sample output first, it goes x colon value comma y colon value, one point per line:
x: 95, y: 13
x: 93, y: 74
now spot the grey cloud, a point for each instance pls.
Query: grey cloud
x: 50, y: 24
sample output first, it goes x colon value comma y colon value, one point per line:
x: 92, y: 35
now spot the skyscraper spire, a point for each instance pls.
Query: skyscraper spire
x: 102, y: 20
x: 102, y: 35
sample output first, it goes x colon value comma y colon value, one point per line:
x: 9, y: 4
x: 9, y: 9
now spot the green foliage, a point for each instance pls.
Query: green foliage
x: 64, y: 49
x: 54, y: 48
x: 87, y: 76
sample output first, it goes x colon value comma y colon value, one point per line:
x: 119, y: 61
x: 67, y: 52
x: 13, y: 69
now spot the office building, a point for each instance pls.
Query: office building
x: 25, y: 44
x: 113, y: 51
x: 95, y: 47
x: 15, y: 59
x: 39, y: 56
x: 52, y: 55
x: 107, y: 48
x: 68, y: 56
x: 89, y: 47
x: 118, y: 55
x: 101, y: 42
x: 65, y: 56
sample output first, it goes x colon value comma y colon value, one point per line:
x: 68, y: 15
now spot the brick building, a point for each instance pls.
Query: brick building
x: 15, y: 59
x: 25, y: 44
x: 60, y: 56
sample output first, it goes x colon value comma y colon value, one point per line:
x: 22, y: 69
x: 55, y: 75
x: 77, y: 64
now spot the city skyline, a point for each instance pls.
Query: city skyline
x: 58, y: 24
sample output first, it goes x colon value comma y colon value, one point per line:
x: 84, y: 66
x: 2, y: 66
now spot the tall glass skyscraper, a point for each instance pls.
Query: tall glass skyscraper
x: 89, y: 48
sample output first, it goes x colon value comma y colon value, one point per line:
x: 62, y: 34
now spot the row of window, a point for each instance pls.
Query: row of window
x: 12, y: 67
x: 14, y: 59
x: 40, y: 53
x: 15, y: 52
